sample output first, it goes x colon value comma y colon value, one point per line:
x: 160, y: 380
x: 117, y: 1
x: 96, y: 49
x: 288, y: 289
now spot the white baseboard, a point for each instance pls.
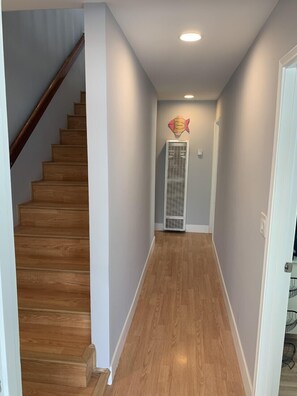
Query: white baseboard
x: 247, y: 383
x: 159, y: 227
x: 203, y: 229
x: 126, y: 327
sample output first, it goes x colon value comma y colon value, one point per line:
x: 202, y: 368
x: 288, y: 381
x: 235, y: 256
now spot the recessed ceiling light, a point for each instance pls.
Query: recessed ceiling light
x: 190, y: 37
x: 189, y: 96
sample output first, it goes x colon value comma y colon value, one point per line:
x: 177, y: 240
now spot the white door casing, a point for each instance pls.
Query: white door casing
x: 10, y: 370
x: 215, y: 154
x: 281, y: 221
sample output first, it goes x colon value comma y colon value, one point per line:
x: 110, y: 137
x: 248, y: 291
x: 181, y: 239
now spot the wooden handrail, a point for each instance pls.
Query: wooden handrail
x: 27, y: 129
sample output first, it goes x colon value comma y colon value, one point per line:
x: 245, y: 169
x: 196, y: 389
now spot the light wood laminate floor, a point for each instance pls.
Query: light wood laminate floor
x: 180, y: 342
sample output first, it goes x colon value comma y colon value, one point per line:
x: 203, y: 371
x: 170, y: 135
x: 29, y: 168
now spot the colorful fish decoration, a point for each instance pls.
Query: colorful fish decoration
x: 178, y: 125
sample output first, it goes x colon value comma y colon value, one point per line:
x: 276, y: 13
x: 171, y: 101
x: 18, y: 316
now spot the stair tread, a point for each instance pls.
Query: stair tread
x: 53, y: 301
x: 60, y: 183
x: 63, y: 163
x: 52, y: 232
x: 40, y: 389
x: 69, y: 145
x: 44, y: 263
x: 59, y: 352
x: 55, y: 205
x: 77, y: 115
x: 73, y: 129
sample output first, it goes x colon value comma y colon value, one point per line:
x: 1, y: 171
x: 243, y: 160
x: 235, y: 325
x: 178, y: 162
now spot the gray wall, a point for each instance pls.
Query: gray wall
x: 202, y: 116
x: 121, y: 109
x: 35, y: 45
x: 132, y: 105
x: 246, y: 110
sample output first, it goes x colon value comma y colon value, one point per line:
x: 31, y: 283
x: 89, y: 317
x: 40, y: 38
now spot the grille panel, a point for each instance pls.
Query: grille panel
x: 175, y: 185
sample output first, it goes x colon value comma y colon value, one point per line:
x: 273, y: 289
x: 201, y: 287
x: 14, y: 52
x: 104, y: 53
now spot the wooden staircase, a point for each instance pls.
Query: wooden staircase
x: 52, y: 258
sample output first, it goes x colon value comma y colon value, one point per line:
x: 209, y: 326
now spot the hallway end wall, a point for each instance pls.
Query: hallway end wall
x: 202, y: 117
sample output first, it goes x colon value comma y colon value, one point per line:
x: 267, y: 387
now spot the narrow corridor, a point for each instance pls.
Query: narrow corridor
x: 180, y: 342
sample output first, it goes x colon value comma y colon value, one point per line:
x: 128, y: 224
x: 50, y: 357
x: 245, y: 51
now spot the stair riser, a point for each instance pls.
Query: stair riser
x: 67, y: 319
x: 69, y: 154
x: 71, y: 172
x: 77, y: 122
x: 78, y: 137
x: 27, y: 246
x: 53, y: 280
x: 54, y: 218
x: 55, y: 373
x: 83, y: 97
x: 36, y: 337
x: 62, y: 194
x: 80, y: 109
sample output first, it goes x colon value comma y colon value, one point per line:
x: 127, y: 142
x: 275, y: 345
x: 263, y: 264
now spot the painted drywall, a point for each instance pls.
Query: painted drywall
x: 131, y: 106
x: 121, y: 116
x: 95, y: 49
x: 10, y: 367
x: 35, y: 45
x: 246, y: 110
x: 202, y: 117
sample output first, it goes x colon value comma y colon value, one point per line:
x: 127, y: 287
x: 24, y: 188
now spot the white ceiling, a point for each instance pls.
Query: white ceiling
x: 152, y: 27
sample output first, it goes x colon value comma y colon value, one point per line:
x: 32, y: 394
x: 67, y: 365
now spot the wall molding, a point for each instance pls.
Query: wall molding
x: 203, y: 229
x: 247, y: 383
x: 120, y: 345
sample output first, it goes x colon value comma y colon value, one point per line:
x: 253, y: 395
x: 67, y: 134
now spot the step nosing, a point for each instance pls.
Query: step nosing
x: 45, y: 269
x: 69, y: 145
x: 56, y: 236
x: 81, y: 362
x: 54, y: 311
x: 56, y: 206
x: 78, y: 163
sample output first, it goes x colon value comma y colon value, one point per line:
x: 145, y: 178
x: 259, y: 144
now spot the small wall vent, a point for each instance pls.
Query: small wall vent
x: 176, y: 177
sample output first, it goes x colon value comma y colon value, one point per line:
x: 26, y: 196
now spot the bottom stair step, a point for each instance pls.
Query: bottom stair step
x: 96, y: 387
x: 57, y: 368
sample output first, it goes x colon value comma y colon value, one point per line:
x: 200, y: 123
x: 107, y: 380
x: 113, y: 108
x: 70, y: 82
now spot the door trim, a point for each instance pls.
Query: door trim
x: 280, y: 233
x: 215, y: 156
x: 10, y: 369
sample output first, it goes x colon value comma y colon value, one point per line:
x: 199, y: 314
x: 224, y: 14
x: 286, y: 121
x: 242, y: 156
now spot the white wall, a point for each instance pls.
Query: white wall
x: 246, y: 110
x: 10, y: 370
x: 202, y: 116
x: 35, y: 45
x: 121, y: 110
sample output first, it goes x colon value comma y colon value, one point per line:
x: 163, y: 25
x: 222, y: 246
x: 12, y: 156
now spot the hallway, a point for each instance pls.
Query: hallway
x: 180, y: 342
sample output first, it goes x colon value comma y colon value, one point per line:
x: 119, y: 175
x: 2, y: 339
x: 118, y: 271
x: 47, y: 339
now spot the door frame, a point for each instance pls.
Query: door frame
x: 281, y: 220
x: 215, y: 156
x: 10, y: 369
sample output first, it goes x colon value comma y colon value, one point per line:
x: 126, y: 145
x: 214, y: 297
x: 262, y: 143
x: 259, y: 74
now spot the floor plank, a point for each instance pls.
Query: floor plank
x: 180, y: 341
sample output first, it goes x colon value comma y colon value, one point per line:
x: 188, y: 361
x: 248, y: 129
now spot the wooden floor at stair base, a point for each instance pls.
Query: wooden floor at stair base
x: 288, y: 380
x: 180, y: 342
x: 95, y: 387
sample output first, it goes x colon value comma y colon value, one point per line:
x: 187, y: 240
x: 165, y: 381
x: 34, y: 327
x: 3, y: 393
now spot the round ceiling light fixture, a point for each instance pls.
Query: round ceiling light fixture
x: 188, y: 96
x: 190, y: 37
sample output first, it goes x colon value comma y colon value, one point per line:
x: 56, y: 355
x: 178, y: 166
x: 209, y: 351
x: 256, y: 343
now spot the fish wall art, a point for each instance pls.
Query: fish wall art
x: 178, y: 125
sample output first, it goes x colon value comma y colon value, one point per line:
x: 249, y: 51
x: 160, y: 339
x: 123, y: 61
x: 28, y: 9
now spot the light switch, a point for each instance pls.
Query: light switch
x: 263, y: 224
x: 200, y: 153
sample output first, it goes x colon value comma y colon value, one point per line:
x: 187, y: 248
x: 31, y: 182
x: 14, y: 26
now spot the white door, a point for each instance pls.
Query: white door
x: 280, y: 234
x: 10, y: 373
